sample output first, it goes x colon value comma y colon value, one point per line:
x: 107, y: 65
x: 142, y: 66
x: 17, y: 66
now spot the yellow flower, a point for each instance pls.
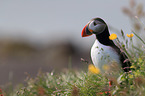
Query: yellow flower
x: 112, y: 36
x: 130, y: 75
x: 93, y: 69
x: 105, y: 67
x: 132, y: 66
x: 130, y: 35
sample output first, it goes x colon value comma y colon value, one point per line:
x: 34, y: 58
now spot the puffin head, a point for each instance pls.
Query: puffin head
x: 95, y: 26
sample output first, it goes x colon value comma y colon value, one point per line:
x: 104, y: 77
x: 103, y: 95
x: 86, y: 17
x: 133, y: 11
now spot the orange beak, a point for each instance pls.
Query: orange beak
x: 86, y: 32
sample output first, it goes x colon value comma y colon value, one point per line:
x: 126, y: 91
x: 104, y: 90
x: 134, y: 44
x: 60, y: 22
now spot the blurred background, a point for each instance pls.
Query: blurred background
x: 46, y: 34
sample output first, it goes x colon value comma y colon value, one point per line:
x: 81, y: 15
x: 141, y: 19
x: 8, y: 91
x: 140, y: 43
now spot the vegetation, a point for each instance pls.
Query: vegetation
x: 91, y: 83
x: 81, y: 83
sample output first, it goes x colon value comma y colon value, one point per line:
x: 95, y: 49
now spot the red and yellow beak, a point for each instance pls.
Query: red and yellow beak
x: 86, y: 32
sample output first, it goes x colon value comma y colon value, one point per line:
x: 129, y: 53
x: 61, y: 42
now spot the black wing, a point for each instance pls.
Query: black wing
x: 124, y: 59
x: 125, y: 62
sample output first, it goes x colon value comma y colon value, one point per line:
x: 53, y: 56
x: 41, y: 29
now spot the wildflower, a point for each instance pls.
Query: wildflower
x: 130, y: 35
x: 130, y: 75
x: 112, y: 36
x: 132, y: 66
x: 1, y: 92
x: 93, y: 69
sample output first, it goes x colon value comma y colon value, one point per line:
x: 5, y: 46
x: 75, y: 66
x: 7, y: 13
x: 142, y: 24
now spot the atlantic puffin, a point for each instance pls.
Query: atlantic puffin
x: 104, y: 50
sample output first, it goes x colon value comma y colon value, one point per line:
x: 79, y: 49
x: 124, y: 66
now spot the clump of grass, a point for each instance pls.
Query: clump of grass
x: 69, y: 83
x: 81, y: 83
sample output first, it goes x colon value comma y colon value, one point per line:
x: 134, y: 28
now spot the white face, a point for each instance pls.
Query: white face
x: 96, y: 26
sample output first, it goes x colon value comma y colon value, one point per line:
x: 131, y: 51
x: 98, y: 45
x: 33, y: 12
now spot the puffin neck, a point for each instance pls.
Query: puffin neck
x: 103, y: 38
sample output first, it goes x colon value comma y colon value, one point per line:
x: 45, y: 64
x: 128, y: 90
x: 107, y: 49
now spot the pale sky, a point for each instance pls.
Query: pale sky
x: 47, y: 20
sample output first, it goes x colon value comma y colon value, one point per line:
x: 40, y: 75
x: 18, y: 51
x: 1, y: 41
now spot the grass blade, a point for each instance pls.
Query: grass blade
x: 139, y: 37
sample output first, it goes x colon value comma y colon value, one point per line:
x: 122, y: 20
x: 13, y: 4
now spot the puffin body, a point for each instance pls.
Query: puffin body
x: 104, y: 55
x: 104, y: 51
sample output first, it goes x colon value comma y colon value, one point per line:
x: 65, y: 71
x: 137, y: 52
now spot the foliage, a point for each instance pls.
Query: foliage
x: 91, y: 83
x: 81, y: 83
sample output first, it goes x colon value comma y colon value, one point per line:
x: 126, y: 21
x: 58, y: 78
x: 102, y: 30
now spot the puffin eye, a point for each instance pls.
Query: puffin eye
x: 95, y: 24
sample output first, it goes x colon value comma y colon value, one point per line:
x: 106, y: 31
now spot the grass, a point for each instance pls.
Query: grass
x: 82, y: 83
x: 69, y: 83
x: 85, y: 83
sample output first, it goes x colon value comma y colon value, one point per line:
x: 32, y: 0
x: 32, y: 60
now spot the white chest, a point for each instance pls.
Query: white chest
x: 103, y: 55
